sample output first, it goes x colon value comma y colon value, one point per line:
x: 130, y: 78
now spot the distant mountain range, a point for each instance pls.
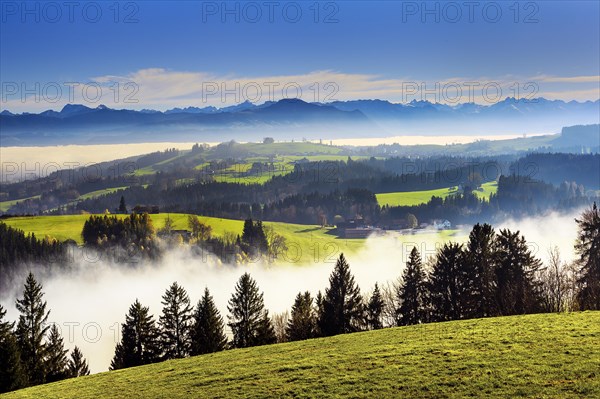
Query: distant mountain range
x: 291, y: 118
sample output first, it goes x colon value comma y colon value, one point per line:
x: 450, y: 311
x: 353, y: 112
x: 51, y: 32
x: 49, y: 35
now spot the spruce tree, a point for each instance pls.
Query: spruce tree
x: 320, y: 316
x: 32, y: 329
x: 448, y: 284
x: 12, y: 375
x: 480, y: 261
x: 77, y: 366
x: 175, y: 322
x: 302, y: 323
x: 588, y: 249
x: 375, y: 309
x: 265, y: 332
x: 122, y: 206
x: 248, y: 319
x: 139, y: 342
x: 517, y: 291
x: 412, y: 292
x: 207, y: 334
x: 342, y: 303
x: 56, y: 356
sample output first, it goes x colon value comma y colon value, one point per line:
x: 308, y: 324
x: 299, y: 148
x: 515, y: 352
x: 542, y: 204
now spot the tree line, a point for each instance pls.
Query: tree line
x: 18, y: 248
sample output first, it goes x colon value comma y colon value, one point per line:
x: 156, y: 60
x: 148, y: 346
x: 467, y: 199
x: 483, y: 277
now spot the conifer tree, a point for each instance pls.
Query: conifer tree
x: 412, y: 292
x: 12, y: 375
x: 207, y: 334
x: 77, y: 366
x: 342, y: 303
x: 56, y: 356
x: 375, y: 309
x: 31, y: 330
x: 588, y: 249
x: 248, y: 319
x: 175, y: 322
x: 122, y: 206
x: 265, y: 332
x: 517, y: 291
x: 480, y: 261
x: 302, y: 323
x: 448, y: 284
x: 254, y: 238
x: 138, y: 344
x: 320, y: 314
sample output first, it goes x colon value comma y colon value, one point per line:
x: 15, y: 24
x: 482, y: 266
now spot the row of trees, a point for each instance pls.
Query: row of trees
x: 33, y: 352
x: 18, y: 249
x: 183, y: 331
x: 134, y: 230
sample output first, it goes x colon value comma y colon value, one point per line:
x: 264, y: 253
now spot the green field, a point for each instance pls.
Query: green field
x: 413, y: 198
x: 4, y: 205
x: 98, y: 193
x: 534, y: 356
x: 306, y: 243
x: 487, y: 189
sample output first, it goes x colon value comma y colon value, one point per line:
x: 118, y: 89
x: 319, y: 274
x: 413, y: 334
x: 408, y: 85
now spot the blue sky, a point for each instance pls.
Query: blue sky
x: 367, y: 48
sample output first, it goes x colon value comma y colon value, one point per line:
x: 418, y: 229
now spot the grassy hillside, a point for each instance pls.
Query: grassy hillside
x: 412, y: 198
x: 4, y: 205
x: 536, y: 356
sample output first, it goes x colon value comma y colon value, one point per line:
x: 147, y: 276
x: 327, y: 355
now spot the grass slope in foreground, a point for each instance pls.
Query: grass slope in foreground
x: 541, y: 356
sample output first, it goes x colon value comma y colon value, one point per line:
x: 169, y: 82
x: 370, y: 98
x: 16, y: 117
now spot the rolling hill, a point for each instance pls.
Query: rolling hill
x: 535, y: 356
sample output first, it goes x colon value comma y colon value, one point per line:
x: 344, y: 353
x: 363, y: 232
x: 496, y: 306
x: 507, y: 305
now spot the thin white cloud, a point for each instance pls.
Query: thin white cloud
x: 161, y: 89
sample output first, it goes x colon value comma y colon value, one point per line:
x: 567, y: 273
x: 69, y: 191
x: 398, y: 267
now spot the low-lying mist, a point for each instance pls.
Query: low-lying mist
x: 89, y: 301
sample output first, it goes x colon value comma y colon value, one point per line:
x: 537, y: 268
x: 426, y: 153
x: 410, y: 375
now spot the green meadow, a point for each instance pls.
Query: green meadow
x: 533, y: 356
x: 413, y: 198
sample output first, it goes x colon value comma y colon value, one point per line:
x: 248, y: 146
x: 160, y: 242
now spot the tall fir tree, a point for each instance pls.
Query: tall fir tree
x: 78, y: 366
x: 588, y: 249
x: 56, y: 356
x: 175, y: 323
x: 122, y: 206
x: 342, y: 302
x: 207, y: 334
x: 517, y: 291
x: 375, y: 309
x: 248, y: 319
x: 320, y: 314
x: 412, y: 292
x: 139, y: 342
x: 302, y: 322
x: 31, y: 330
x: 480, y: 261
x: 448, y: 284
x: 265, y: 332
x: 12, y: 376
